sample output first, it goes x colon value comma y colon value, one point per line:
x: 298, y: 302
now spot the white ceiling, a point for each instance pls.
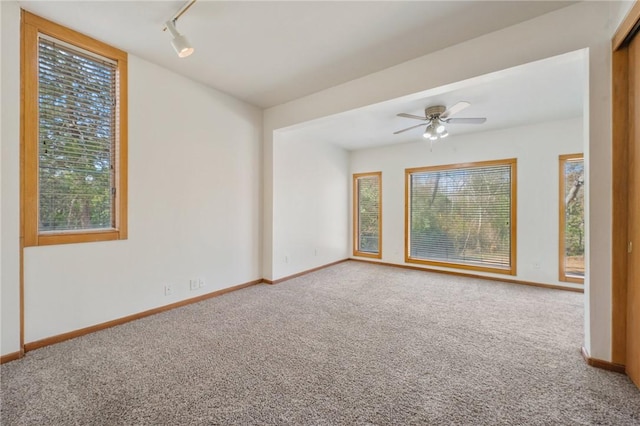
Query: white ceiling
x: 547, y: 90
x: 268, y: 53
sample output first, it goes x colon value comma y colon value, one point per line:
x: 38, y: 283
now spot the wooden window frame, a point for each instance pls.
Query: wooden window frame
x: 356, y: 209
x: 31, y: 26
x: 562, y: 160
x: 512, y: 270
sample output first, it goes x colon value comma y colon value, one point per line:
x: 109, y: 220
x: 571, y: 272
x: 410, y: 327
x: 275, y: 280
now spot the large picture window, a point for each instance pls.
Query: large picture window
x: 367, y: 214
x: 462, y: 216
x: 74, y: 136
x: 571, y: 203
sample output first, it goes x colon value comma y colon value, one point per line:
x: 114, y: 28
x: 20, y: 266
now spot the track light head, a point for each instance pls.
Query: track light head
x: 182, y: 46
x: 180, y: 43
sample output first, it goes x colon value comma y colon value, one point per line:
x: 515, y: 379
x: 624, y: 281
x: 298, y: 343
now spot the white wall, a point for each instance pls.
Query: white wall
x: 9, y: 166
x: 536, y: 148
x: 311, y: 210
x: 582, y: 25
x: 0, y: 174
x: 194, y: 207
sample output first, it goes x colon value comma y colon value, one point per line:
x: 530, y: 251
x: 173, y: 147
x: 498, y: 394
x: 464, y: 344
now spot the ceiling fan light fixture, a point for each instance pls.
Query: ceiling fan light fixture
x: 428, y: 133
x: 436, y: 118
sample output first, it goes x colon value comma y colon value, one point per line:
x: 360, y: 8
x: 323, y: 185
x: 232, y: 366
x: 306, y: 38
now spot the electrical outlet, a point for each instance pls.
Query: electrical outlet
x: 536, y: 265
x: 201, y: 283
x: 286, y: 259
x: 315, y: 252
x: 193, y: 284
x: 168, y: 289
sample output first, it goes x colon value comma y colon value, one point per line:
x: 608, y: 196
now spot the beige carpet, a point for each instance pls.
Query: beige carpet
x: 351, y: 344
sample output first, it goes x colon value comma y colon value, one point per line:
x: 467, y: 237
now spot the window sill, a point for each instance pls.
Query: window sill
x: 479, y: 268
x: 569, y: 279
x: 365, y: 254
x: 47, y: 239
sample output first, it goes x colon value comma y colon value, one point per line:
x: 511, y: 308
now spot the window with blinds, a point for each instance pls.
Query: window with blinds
x: 74, y: 109
x: 367, y: 217
x: 462, y: 216
x: 77, y: 124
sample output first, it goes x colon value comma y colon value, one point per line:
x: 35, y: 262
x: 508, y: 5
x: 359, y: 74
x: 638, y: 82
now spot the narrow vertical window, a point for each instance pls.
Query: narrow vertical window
x: 571, y: 211
x: 74, y: 136
x: 367, y: 214
x: 462, y: 216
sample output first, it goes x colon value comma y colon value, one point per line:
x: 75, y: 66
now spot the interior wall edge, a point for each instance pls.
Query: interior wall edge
x: 602, y: 364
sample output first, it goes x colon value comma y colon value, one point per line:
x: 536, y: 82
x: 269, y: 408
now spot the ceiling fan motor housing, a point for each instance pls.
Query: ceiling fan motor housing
x: 434, y: 111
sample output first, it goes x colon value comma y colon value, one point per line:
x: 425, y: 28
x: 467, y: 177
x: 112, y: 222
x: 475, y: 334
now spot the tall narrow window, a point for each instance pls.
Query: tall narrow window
x: 571, y: 218
x: 367, y: 214
x: 74, y: 136
x: 462, y: 216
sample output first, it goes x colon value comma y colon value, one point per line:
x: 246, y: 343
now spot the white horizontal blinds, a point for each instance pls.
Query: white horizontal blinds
x: 77, y: 131
x: 574, y: 217
x: 368, y: 214
x: 462, y: 216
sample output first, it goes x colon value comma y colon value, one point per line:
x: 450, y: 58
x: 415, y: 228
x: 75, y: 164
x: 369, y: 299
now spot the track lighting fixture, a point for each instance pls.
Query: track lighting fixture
x: 180, y: 43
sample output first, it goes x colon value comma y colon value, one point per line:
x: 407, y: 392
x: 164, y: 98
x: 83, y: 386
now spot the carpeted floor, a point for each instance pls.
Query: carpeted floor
x: 351, y: 344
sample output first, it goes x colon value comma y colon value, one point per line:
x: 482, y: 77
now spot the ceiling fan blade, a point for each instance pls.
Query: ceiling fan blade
x: 454, y: 109
x: 466, y: 120
x: 409, y: 128
x: 417, y: 117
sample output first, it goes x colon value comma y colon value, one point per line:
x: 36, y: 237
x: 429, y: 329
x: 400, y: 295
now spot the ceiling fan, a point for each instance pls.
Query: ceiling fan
x: 435, y: 118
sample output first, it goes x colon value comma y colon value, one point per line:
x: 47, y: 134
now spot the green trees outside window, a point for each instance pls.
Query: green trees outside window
x: 462, y: 216
x: 367, y: 217
x: 76, y: 104
x: 571, y: 202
